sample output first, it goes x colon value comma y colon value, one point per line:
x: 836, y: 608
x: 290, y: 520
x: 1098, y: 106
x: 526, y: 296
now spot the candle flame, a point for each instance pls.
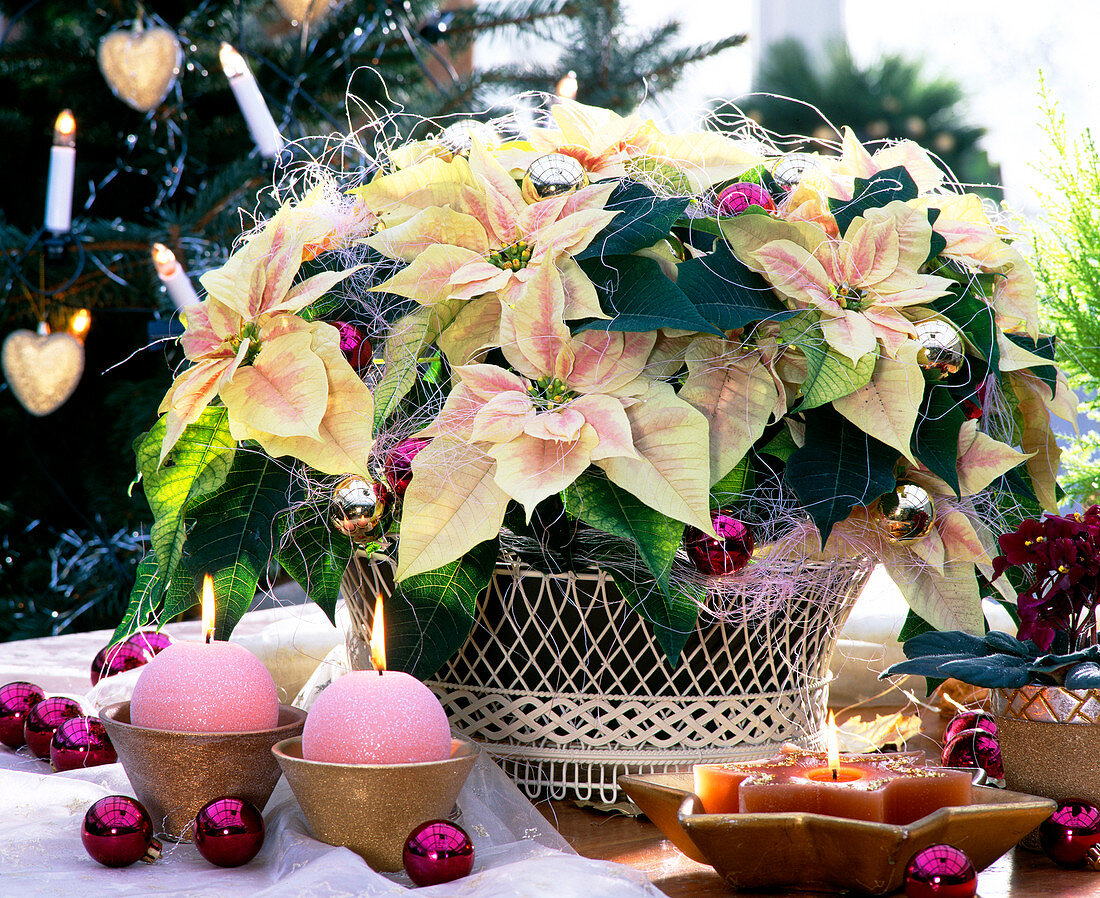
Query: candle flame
x: 233, y: 63
x: 207, y: 608
x: 164, y: 260
x: 832, y: 745
x: 64, y: 129
x: 378, y: 637
x: 80, y: 323
x: 567, y: 87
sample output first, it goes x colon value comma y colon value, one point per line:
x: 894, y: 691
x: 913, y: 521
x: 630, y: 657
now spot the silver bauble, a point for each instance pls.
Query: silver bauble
x: 552, y: 175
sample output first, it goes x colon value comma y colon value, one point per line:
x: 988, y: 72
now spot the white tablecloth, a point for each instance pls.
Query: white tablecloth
x: 516, y: 852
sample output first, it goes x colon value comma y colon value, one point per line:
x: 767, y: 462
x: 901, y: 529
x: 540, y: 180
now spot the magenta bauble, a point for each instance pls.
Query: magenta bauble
x: 116, y: 658
x: 437, y: 851
x: 117, y: 831
x: 216, y: 687
x: 398, y: 464
x: 736, y: 198
x: 16, y: 699
x: 43, y: 720
x: 229, y: 831
x: 975, y: 748
x: 727, y: 554
x: 355, y: 346
x: 367, y: 717
x: 940, y: 871
x: 969, y: 720
x: 1070, y: 832
x: 81, y: 742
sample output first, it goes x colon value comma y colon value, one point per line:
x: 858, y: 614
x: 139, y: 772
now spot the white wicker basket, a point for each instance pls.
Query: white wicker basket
x: 563, y: 682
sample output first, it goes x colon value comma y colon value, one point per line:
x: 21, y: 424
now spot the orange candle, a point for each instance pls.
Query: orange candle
x: 881, y: 789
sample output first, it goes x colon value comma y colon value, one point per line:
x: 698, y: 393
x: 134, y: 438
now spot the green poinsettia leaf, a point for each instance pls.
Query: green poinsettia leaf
x: 829, y: 375
x: 594, y: 499
x: 971, y: 314
x: 639, y: 297
x: 837, y: 468
x: 672, y: 615
x: 938, y: 243
x: 727, y: 293
x: 231, y: 537
x: 1044, y: 348
x: 880, y: 189
x: 643, y: 219
x: 314, y: 555
x: 927, y: 665
x: 430, y: 615
x: 935, y: 440
x: 145, y: 599
x: 195, y: 467
x: 913, y: 625
x: 734, y: 487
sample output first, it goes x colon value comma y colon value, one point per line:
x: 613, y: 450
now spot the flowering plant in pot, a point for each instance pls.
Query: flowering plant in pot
x: 1046, y: 676
x: 690, y: 360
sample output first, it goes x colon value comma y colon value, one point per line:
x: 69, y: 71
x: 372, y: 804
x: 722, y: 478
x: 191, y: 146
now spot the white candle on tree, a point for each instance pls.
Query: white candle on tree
x: 59, y: 187
x: 173, y: 276
x: 256, y: 114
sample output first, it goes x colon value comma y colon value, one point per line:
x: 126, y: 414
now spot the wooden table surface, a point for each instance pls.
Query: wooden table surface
x: 638, y: 843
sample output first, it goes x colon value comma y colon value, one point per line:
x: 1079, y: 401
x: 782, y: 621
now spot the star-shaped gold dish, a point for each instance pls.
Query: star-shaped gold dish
x: 760, y: 851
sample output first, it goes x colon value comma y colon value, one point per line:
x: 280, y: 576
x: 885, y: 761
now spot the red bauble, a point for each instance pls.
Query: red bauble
x: 16, y: 699
x: 969, y: 720
x: 975, y: 748
x: 940, y: 871
x: 398, y: 464
x: 437, y: 851
x: 355, y: 346
x: 81, y: 742
x: 736, y: 198
x: 1070, y: 832
x: 229, y: 831
x: 725, y: 555
x: 118, y: 830
x: 44, y: 719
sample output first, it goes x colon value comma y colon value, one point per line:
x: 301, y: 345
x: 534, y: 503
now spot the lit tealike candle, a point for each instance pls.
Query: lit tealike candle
x: 173, y: 276
x: 205, y: 687
x: 59, y: 187
x: 878, y: 788
x: 376, y: 716
x: 256, y: 114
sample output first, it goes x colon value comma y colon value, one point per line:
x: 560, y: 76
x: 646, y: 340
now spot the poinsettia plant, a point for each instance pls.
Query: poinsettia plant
x: 588, y: 343
x: 1057, y: 563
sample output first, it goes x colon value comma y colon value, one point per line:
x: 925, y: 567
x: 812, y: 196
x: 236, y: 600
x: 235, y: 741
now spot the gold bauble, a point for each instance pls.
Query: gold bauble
x: 42, y: 369
x: 942, y: 346
x: 360, y: 508
x: 553, y: 175
x: 906, y: 514
x: 458, y: 139
x: 140, y: 64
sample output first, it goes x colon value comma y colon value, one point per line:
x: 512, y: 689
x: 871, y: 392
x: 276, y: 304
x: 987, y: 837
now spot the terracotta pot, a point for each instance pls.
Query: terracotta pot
x: 1050, y: 741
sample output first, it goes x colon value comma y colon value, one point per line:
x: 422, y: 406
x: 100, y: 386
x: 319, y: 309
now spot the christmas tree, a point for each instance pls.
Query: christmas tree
x: 163, y: 155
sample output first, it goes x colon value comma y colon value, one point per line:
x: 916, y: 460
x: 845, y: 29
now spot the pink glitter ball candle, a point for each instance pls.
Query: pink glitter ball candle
x: 207, y: 687
x: 376, y: 717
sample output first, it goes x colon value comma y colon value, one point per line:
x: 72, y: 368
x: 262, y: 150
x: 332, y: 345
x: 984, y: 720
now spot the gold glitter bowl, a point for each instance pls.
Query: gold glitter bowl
x: 372, y: 808
x: 812, y: 851
x: 175, y: 774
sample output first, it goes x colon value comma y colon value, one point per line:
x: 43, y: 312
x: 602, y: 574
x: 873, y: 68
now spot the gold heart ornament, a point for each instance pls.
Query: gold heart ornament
x: 140, y: 64
x: 42, y: 370
x: 308, y: 11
